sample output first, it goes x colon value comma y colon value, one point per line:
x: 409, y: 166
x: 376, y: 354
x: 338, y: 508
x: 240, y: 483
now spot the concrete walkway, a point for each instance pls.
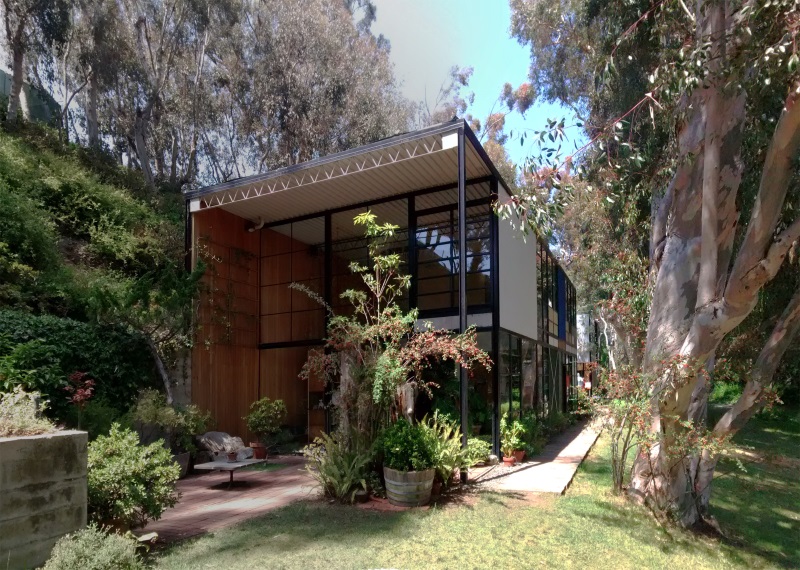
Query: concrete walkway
x: 207, y: 504
x: 552, y: 470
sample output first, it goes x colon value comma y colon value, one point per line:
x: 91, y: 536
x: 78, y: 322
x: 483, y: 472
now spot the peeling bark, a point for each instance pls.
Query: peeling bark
x: 17, y: 71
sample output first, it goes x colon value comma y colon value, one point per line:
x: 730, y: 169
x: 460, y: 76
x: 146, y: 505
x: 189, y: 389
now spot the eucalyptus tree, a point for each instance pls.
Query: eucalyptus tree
x: 295, y: 81
x: 693, y: 117
x: 30, y: 25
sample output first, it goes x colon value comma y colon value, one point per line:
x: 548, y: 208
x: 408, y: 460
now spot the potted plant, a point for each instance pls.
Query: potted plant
x: 264, y: 420
x: 408, y: 463
x: 510, y: 442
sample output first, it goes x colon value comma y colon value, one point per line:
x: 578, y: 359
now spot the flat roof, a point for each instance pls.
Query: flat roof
x: 401, y: 164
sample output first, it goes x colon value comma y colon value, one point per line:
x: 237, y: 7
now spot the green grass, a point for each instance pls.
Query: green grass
x: 589, y: 527
x: 265, y: 467
x: 760, y: 507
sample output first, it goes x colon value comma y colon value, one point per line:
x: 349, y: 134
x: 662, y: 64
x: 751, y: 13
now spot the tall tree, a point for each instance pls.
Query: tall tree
x: 707, y: 73
x: 30, y: 24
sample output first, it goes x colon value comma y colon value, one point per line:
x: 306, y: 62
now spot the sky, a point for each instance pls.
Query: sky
x: 428, y: 37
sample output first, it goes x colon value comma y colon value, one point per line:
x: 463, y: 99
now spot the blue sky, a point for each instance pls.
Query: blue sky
x: 430, y: 36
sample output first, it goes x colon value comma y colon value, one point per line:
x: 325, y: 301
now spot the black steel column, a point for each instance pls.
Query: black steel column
x: 328, y: 297
x: 412, y: 251
x: 462, y: 280
x: 495, y: 274
x: 187, y: 237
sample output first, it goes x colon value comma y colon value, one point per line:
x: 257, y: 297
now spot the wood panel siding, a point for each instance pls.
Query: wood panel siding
x: 225, y: 358
x: 287, y: 316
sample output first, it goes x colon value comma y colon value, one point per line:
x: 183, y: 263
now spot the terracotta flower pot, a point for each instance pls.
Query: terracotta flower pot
x: 231, y: 457
x: 259, y: 450
x: 519, y: 455
x: 509, y: 460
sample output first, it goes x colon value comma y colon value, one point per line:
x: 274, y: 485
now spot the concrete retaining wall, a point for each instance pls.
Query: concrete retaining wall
x: 42, y: 494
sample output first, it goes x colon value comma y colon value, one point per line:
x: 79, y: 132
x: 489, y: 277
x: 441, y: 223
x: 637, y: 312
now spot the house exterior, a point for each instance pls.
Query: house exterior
x: 258, y: 234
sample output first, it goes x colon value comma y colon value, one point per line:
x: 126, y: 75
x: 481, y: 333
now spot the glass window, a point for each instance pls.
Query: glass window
x: 437, y: 269
x: 349, y: 245
x: 292, y: 253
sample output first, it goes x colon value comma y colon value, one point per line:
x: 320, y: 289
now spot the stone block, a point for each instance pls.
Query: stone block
x: 43, y: 494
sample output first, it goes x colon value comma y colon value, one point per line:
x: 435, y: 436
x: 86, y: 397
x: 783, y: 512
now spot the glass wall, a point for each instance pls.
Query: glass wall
x: 437, y: 260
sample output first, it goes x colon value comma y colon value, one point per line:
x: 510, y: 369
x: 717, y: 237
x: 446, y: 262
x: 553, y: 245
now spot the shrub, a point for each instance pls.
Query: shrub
x: 27, y: 246
x: 510, y: 434
x: 93, y: 549
x: 407, y: 447
x: 39, y: 352
x: 178, y: 424
x: 556, y: 422
x: 265, y: 417
x: 725, y: 392
x: 534, y: 436
x: 339, y: 470
x: 129, y: 483
x: 477, y: 451
x: 19, y: 415
x: 96, y: 418
x: 445, y: 438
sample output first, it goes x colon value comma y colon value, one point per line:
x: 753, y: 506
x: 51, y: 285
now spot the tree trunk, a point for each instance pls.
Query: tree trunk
x: 162, y: 370
x: 92, y: 127
x: 139, y: 133
x: 17, y: 73
x: 709, y: 303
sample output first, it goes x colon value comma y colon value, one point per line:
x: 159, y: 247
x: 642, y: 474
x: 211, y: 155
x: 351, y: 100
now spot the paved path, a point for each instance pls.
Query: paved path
x: 552, y: 470
x: 207, y: 504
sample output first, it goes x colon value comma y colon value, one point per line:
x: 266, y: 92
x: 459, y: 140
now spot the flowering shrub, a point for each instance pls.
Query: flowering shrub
x: 622, y: 404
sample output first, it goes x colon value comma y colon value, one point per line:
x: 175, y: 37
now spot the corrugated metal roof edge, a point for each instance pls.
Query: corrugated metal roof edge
x: 441, y: 128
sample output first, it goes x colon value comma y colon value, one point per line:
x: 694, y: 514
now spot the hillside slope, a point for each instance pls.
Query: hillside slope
x: 83, y: 243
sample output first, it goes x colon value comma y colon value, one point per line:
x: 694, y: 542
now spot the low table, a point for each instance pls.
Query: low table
x: 229, y: 466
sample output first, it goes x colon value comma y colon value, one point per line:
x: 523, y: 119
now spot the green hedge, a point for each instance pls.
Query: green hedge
x: 41, y: 351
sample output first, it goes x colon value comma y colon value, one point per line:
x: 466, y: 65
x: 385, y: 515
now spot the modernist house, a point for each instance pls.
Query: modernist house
x: 260, y: 233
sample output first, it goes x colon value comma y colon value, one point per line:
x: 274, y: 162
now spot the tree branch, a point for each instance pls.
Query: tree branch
x: 778, y: 169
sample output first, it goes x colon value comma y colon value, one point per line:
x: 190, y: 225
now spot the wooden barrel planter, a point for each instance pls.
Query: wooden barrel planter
x: 408, y: 489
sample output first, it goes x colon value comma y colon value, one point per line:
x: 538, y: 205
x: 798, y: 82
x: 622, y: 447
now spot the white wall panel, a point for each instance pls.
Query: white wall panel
x: 517, y: 278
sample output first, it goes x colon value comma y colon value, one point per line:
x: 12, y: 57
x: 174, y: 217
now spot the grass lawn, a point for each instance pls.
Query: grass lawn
x: 265, y: 467
x: 587, y: 528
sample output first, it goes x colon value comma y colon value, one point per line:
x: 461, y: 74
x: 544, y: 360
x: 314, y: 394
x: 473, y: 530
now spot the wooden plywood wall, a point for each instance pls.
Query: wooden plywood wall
x: 287, y: 316
x: 225, y: 358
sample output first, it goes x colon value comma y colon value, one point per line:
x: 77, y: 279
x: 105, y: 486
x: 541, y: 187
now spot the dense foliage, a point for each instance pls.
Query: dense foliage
x: 339, y: 468
x: 40, y: 352
x: 204, y: 91
x: 129, y: 484
x: 94, y: 549
x: 408, y: 447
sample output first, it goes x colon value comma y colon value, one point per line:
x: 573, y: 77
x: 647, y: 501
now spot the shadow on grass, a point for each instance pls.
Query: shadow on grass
x: 292, y: 527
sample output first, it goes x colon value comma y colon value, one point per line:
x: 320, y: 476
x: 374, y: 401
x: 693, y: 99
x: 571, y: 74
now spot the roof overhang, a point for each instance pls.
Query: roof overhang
x: 399, y: 165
